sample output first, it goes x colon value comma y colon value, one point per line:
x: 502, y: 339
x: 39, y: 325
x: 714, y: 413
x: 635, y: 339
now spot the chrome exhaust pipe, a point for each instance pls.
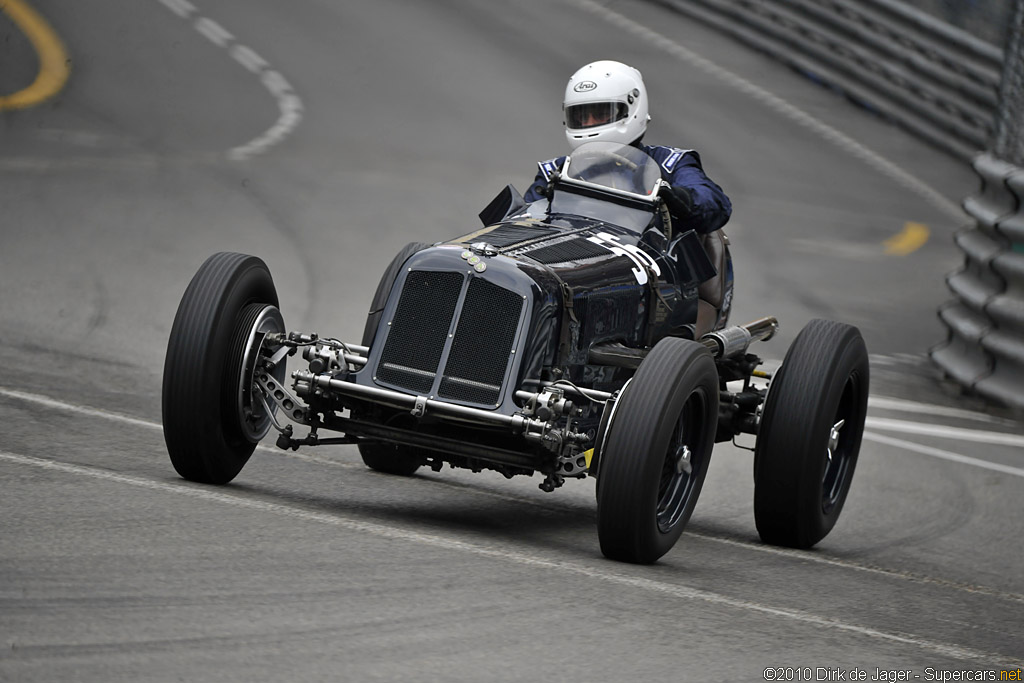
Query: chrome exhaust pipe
x: 734, y: 341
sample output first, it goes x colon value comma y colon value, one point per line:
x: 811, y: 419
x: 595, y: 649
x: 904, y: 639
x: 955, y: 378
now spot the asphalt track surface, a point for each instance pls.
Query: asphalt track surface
x: 323, y: 136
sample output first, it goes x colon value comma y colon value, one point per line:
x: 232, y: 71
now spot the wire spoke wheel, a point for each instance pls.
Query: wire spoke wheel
x: 254, y: 324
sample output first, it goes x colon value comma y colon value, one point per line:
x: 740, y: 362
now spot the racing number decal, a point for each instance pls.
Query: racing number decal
x: 634, y: 253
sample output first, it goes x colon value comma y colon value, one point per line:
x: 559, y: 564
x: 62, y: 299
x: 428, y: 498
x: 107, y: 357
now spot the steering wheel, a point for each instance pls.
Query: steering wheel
x: 625, y: 161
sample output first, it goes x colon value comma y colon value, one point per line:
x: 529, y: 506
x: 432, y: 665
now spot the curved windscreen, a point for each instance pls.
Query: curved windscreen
x: 620, y: 167
x: 608, y: 182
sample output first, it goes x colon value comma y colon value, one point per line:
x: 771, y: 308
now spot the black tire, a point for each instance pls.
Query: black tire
x: 643, y: 500
x: 387, y: 280
x: 205, y: 435
x: 383, y: 457
x: 802, y: 475
x: 390, y: 458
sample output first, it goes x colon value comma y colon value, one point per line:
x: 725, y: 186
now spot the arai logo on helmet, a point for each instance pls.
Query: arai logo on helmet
x: 585, y: 86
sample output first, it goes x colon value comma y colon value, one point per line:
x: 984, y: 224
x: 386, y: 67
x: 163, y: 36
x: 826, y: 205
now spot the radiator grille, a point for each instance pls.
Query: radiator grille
x: 419, y: 330
x: 482, y: 346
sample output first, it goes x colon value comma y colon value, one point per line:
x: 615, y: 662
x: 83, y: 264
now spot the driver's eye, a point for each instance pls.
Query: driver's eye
x: 596, y: 114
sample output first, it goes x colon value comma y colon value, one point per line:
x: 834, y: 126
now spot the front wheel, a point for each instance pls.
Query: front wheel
x: 212, y: 416
x: 810, y: 435
x: 656, y: 452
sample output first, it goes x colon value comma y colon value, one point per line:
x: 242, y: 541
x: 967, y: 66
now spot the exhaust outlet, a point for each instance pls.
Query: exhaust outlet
x: 734, y: 341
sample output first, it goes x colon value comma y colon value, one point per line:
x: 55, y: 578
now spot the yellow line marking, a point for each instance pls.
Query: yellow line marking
x: 910, y: 239
x: 54, y: 65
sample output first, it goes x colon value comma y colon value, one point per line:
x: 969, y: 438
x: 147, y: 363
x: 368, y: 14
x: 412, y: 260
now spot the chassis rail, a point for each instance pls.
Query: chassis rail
x: 537, y: 423
x: 406, y: 437
x: 419, y: 405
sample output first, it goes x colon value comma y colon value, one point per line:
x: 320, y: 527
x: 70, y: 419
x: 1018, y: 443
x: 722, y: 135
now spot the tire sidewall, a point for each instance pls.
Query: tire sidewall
x: 253, y: 286
x: 691, y: 379
x: 636, y: 515
x: 806, y: 455
x: 201, y: 423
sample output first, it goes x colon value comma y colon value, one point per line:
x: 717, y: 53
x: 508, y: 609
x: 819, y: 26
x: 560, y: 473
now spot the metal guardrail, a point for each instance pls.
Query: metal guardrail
x: 942, y: 84
x: 989, y: 20
x: 984, y: 350
x: 935, y: 80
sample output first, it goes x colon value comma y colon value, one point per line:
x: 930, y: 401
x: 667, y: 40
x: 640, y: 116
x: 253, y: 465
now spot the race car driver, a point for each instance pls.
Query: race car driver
x: 606, y: 101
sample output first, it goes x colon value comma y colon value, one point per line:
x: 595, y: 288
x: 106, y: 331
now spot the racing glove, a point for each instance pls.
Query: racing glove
x: 678, y: 199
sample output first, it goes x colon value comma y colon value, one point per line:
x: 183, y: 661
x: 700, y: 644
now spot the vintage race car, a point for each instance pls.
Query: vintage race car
x: 581, y: 335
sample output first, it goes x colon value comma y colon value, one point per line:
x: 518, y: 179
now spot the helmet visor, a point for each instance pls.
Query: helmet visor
x: 592, y: 114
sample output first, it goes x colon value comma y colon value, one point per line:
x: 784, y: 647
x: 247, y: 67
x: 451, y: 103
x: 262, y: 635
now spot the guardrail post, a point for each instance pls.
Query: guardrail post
x: 984, y: 350
x: 1005, y: 342
x: 960, y: 93
x: 963, y: 356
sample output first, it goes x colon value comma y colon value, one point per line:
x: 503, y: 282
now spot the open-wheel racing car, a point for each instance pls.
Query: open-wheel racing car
x: 580, y: 335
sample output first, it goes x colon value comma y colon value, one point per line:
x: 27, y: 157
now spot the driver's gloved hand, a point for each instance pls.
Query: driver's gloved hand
x: 678, y: 199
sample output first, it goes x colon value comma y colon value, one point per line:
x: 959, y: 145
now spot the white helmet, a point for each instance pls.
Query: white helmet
x: 605, y: 102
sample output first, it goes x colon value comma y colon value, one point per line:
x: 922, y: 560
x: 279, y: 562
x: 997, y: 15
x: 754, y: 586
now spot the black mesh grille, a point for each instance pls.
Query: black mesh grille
x: 419, y: 330
x: 482, y: 345
x: 577, y: 249
x: 507, y: 235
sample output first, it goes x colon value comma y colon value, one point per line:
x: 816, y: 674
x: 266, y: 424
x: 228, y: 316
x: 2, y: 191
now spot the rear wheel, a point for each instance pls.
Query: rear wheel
x: 212, y: 418
x: 656, y: 452
x: 390, y: 458
x: 810, y: 435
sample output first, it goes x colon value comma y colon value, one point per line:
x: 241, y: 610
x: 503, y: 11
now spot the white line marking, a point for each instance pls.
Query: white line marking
x: 146, y: 424
x: 944, y: 455
x: 779, y: 105
x: 897, y: 425
x: 249, y: 59
x: 944, y: 432
x: 182, y: 8
x: 82, y: 410
x: 291, y: 114
x: 288, y: 103
x: 793, y: 554
x: 521, y: 558
x: 216, y: 33
x: 812, y: 556
x: 905, y: 406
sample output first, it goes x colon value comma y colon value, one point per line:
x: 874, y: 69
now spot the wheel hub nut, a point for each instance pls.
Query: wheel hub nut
x: 683, y: 463
x: 833, y: 438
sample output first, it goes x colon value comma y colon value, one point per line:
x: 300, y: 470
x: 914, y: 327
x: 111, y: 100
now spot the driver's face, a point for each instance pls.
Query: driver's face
x: 594, y: 118
x: 595, y: 114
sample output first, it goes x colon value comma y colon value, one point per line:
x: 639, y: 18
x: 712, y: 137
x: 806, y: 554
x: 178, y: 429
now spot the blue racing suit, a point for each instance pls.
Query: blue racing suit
x: 680, y: 168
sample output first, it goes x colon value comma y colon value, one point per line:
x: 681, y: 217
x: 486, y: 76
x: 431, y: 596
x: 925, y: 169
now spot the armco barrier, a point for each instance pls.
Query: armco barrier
x: 933, y: 79
x: 942, y: 84
x: 984, y: 350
